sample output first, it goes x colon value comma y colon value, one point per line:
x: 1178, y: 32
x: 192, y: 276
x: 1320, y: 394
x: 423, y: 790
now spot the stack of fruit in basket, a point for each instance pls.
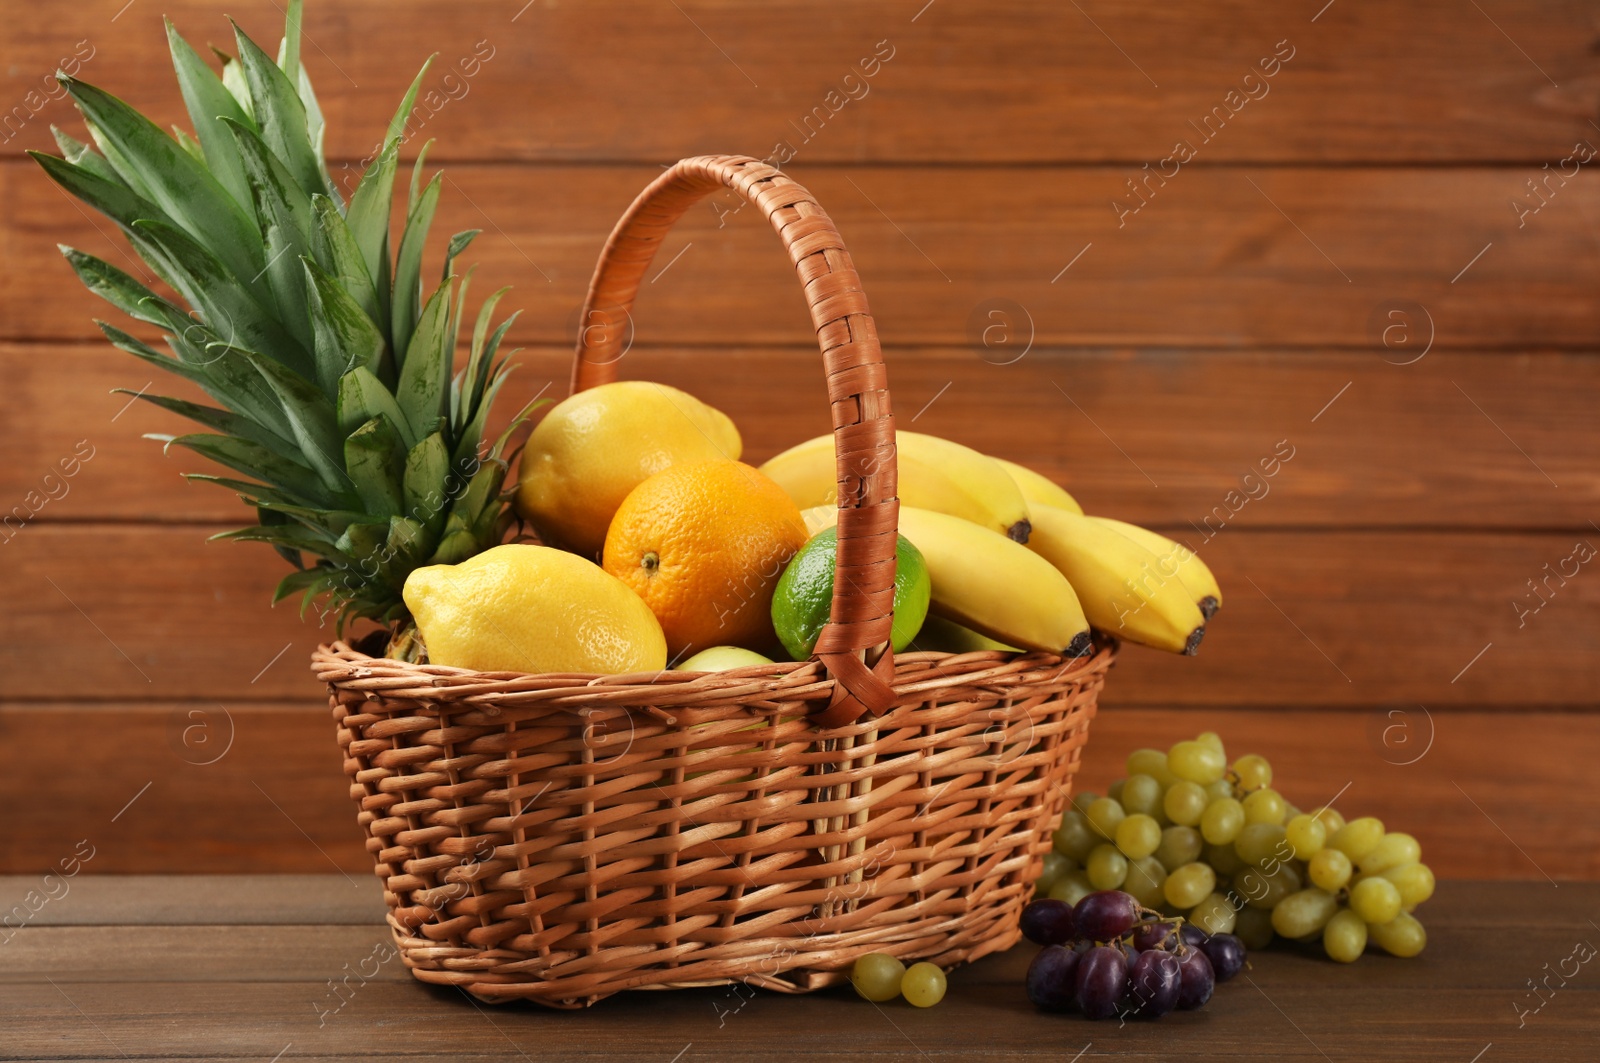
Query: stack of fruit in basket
x: 347, y: 426
x: 1190, y: 834
x: 706, y: 562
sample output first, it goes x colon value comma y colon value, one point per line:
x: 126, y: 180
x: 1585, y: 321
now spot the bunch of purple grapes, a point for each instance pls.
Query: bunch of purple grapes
x: 1109, y: 956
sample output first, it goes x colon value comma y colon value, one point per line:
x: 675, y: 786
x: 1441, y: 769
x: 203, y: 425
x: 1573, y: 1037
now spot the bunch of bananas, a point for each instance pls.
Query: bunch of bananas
x: 1014, y: 562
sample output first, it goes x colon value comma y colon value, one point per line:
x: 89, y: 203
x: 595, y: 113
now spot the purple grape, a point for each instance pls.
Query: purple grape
x: 1193, y: 935
x: 1106, y: 914
x: 1102, y: 979
x: 1153, y: 984
x: 1153, y: 936
x: 1052, y: 978
x: 1048, y: 922
x: 1198, y: 979
x: 1227, y: 955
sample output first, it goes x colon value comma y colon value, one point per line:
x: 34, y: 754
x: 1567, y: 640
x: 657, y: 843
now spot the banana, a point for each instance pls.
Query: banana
x: 820, y: 517
x: 1118, y: 581
x: 1039, y: 490
x: 1176, y: 560
x: 947, y: 636
x: 985, y: 581
x: 935, y: 474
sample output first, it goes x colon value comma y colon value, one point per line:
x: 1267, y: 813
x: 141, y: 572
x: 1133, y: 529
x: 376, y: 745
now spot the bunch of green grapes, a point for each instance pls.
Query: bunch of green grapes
x: 1192, y: 835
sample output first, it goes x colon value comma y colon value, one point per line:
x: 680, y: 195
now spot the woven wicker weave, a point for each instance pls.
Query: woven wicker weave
x: 563, y: 837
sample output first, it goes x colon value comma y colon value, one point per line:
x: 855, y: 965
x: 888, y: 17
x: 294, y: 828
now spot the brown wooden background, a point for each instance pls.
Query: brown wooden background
x: 1370, y: 636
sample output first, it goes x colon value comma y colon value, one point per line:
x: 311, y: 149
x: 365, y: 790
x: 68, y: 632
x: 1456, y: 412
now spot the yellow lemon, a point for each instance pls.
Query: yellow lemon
x: 523, y: 608
x: 720, y: 658
x: 591, y: 449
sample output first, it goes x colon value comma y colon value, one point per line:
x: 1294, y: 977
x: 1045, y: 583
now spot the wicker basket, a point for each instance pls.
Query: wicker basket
x: 562, y: 837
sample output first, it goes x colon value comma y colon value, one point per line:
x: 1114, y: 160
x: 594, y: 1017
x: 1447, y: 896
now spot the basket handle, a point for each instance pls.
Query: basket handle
x: 858, y: 391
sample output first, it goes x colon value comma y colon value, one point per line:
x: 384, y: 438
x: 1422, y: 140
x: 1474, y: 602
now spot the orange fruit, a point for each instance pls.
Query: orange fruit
x: 704, y: 544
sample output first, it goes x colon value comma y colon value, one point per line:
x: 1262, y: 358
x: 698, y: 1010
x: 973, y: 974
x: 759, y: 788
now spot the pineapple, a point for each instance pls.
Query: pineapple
x: 331, y: 361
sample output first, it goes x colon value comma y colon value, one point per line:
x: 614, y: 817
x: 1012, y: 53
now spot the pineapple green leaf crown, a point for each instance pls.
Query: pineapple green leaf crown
x: 331, y: 360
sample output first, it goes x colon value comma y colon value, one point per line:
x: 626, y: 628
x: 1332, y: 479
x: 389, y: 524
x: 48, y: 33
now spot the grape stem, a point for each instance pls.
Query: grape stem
x: 1177, y: 922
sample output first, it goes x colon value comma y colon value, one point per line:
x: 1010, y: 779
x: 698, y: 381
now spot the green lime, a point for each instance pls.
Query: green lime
x: 804, y: 596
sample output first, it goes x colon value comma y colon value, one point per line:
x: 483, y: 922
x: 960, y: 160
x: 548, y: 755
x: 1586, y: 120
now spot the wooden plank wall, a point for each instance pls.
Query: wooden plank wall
x: 1379, y: 250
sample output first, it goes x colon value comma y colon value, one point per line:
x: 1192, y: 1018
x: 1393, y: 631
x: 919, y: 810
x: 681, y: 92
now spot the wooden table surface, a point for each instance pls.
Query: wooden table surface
x: 242, y: 967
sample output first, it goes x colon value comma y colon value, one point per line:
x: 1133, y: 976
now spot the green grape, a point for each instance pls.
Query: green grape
x: 1216, y: 791
x: 1222, y: 821
x: 1305, y: 835
x: 877, y: 976
x: 1214, y: 915
x: 1393, y: 849
x: 1253, y: 771
x: 1345, y: 937
x: 1141, y: 793
x: 1264, y: 891
x: 1223, y: 859
x: 1358, y: 837
x: 1258, y: 843
x: 1179, y: 846
x: 1104, y: 814
x: 1401, y: 936
x: 1138, y: 836
x: 1074, y: 838
x: 1055, y: 865
x: 1212, y: 740
x: 1184, y: 803
x: 1414, y: 881
x: 1145, y: 879
x: 1072, y: 887
x: 1196, y: 762
x: 1329, y: 870
x: 1290, y: 811
x: 1107, y: 868
x: 1376, y: 900
x: 1303, y: 912
x: 1188, y: 885
x: 1082, y: 801
x: 1151, y: 762
x: 1145, y: 762
x: 1331, y: 819
x: 1253, y: 926
x: 1265, y: 806
x: 923, y: 985
x: 1114, y: 791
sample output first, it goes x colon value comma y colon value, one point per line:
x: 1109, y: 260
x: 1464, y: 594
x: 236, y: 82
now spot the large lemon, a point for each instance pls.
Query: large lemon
x: 523, y: 608
x: 596, y: 446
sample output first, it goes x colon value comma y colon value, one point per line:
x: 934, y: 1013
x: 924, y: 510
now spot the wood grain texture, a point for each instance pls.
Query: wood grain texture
x: 981, y: 1021
x: 120, y: 612
x: 319, y: 992
x: 1219, y: 257
x: 1421, y: 445
x: 275, y: 801
x: 109, y: 951
x: 1012, y: 81
x: 232, y: 900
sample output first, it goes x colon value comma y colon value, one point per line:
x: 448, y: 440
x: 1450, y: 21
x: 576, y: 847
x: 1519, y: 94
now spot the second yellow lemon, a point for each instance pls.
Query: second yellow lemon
x: 594, y: 447
x: 523, y: 608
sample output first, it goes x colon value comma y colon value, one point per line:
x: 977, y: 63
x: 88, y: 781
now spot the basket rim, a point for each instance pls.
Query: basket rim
x: 760, y: 688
